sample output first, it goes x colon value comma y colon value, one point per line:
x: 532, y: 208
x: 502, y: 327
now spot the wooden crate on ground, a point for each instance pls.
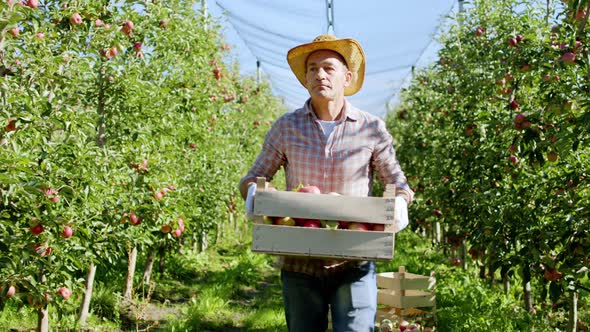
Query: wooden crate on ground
x: 323, y: 242
x: 403, y: 294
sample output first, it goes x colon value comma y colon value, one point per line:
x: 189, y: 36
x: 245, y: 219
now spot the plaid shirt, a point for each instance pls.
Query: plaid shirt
x: 344, y: 163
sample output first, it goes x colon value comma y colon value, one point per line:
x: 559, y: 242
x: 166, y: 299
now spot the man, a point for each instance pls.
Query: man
x: 330, y: 144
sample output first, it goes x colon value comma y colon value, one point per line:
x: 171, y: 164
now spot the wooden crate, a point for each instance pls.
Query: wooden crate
x: 322, y: 242
x: 402, y: 294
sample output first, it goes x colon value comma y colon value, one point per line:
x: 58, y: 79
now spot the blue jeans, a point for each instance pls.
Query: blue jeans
x: 351, y: 295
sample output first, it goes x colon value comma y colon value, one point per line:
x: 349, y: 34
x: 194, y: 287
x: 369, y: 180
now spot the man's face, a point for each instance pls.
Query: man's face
x: 326, y: 75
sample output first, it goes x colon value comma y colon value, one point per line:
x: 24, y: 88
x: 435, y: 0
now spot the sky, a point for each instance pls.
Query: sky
x: 395, y: 36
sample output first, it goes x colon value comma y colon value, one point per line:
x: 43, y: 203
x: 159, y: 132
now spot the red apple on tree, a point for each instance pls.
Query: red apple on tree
x: 67, y: 232
x: 15, y: 31
x: 37, y: 229
x: 568, y: 57
x: 127, y: 27
x: 64, y: 292
x: 76, y: 19
x: 11, y: 126
x: 33, y: 3
x: 166, y: 228
x: 134, y: 220
x: 10, y: 292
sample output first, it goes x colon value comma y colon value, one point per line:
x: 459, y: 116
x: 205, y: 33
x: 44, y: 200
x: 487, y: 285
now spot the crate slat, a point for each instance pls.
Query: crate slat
x: 391, y: 280
x: 324, y: 206
x: 411, y: 299
x: 320, y: 242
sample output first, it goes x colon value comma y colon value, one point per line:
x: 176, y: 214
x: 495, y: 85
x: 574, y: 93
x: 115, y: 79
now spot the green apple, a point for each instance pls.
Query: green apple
x: 285, y: 221
x: 331, y: 224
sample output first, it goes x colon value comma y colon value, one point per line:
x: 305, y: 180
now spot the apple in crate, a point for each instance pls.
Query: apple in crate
x: 330, y: 224
x: 304, y: 221
x: 310, y: 190
x: 284, y: 221
x: 379, y: 227
x: 312, y: 223
x: 359, y: 226
x: 268, y: 220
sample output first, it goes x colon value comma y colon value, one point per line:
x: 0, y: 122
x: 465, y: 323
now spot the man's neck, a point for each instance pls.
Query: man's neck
x: 328, y: 110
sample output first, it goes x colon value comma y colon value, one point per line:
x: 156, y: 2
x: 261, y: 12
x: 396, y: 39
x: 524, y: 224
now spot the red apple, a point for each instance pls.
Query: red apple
x: 358, y: 226
x: 64, y: 292
x: 479, y: 32
x: 76, y: 19
x: 11, y: 126
x: 379, y: 227
x: 519, y: 118
x: 513, y: 159
x: 37, y: 229
x: 309, y: 189
x: 166, y: 228
x: 403, y: 325
x: 512, y: 42
x: 568, y: 57
x: 33, y: 3
x: 15, y: 31
x: 217, y: 72
x: 159, y: 195
x: 343, y: 224
x: 437, y: 213
x: 113, y: 51
x: 180, y: 224
x: 312, y: 224
x: 10, y: 292
x: 127, y: 27
x: 177, y: 232
x: 134, y: 220
x: 514, y: 104
x: 67, y: 232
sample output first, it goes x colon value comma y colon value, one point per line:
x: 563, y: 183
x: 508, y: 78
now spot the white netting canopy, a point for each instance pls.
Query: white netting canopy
x: 395, y: 35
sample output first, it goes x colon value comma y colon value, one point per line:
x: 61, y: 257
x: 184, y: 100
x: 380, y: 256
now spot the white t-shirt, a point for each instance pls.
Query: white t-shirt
x: 328, y: 127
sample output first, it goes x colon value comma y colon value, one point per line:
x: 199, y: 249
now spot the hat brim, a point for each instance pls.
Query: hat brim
x: 350, y: 50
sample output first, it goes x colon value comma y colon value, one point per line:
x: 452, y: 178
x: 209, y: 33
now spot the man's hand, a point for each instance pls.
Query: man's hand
x: 401, y: 213
x: 250, y: 200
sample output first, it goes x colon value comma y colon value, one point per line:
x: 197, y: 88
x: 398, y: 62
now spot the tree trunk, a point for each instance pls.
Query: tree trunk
x: 87, y: 294
x: 162, y: 254
x: 130, y: 273
x: 43, y: 312
x: 203, y: 241
x: 505, y: 279
x: 149, y: 264
x: 437, y: 233
x: 482, y: 271
x: 573, y: 317
x: 463, y: 255
x: 526, y: 286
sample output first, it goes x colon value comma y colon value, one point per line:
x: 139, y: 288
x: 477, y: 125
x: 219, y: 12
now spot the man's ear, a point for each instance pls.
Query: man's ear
x: 347, y: 78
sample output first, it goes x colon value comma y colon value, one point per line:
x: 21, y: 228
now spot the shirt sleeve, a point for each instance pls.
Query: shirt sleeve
x: 386, y: 164
x: 271, y: 157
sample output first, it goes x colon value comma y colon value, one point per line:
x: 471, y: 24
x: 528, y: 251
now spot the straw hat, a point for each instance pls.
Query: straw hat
x: 349, y: 48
